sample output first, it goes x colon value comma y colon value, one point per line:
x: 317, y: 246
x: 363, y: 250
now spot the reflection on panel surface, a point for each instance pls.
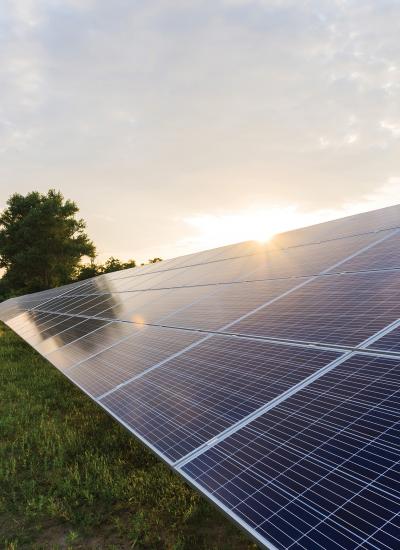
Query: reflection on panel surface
x: 376, y: 220
x: 227, y: 303
x: 144, y: 348
x: 106, y: 336
x: 321, y: 469
x: 196, y: 395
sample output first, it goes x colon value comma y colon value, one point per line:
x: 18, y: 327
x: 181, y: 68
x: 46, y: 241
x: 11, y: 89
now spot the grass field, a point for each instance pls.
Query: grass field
x: 71, y: 477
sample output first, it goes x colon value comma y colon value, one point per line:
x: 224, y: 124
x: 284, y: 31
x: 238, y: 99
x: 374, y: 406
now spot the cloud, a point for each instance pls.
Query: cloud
x: 151, y: 112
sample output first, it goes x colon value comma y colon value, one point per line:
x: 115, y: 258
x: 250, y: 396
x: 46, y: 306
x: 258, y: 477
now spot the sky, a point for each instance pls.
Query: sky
x: 181, y: 125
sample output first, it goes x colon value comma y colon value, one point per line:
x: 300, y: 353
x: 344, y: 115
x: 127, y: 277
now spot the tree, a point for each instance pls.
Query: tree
x: 113, y: 264
x: 41, y: 241
x: 155, y: 260
x: 86, y: 271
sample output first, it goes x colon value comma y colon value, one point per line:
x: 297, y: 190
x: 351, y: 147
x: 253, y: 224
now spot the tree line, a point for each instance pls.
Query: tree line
x: 43, y: 244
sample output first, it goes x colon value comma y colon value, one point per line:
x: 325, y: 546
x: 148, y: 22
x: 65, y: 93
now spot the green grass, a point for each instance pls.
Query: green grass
x: 71, y: 477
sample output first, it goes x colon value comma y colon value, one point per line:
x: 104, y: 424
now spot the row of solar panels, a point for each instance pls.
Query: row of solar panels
x: 267, y: 376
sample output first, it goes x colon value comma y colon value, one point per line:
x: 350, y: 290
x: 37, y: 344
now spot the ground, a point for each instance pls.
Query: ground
x: 71, y: 477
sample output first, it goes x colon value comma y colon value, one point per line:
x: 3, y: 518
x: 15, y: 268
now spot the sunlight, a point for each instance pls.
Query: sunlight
x: 208, y: 231
x: 251, y: 224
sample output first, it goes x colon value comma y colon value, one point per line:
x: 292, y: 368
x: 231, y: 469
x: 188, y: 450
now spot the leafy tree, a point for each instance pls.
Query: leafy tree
x: 86, y: 271
x: 155, y: 260
x: 113, y: 264
x: 41, y: 241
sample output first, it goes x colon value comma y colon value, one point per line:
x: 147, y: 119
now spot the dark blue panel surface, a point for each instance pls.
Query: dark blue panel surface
x: 144, y: 348
x: 320, y: 470
x: 384, y: 255
x: 193, y: 397
x: 389, y: 342
x: 333, y: 309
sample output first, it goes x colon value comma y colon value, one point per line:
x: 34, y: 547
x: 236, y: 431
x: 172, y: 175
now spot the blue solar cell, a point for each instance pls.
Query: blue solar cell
x: 321, y: 469
x: 333, y: 309
x: 219, y: 381
x: 388, y: 342
x: 141, y: 350
x: 385, y: 255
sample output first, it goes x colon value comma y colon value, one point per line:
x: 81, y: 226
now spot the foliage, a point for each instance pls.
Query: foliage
x: 113, y: 264
x: 86, y: 271
x: 71, y: 477
x: 155, y: 260
x: 41, y: 241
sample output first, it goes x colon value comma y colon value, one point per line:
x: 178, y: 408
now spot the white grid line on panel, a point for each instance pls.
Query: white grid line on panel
x: 159, y: 364
x: 340, y: 348
x: 308, y: 487
x: 318, y: 395
x: 59, y: 295
x: 228, y: 511
x: 228, y: 283
x: 380, y: 335
x: 235, y: 427
x: 261, y: 410
x: 48, y: 338
x: 77, y: 339
x: 376, y: 532
x: 228, y: 325
x: 100, y: 351
x: 144, y: 324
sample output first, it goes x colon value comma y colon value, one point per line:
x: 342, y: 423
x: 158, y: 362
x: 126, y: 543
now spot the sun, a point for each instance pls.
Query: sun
x: 251, y: 224
x: 264, y: 239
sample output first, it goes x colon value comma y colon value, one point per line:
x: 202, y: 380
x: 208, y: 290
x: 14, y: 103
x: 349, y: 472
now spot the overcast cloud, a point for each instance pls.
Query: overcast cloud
x: 167, y: 119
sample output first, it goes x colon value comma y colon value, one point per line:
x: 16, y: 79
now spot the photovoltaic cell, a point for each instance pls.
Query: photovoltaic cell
x: 194, y: 396
x: 144, y: 348
x: 34, y: 326
x: 336, y: 309
x: 389, y: 342
x: 66, y: 332
x: 386, y: 255
x: 314, y: 258
x: 321, y: 469
x: 227, y: 303
x: 367, y: 222
x: 108, y: 334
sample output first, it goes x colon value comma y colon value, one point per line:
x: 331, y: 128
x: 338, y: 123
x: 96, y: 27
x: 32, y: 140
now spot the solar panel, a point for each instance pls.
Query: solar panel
x: 321, y: 469
x: 336, y: 309
x: 266, y: 375
x: 193, y: 397
x: 390, y: 342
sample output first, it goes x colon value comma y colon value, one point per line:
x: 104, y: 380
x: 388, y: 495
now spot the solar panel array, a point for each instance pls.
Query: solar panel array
x: 266, y: 375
